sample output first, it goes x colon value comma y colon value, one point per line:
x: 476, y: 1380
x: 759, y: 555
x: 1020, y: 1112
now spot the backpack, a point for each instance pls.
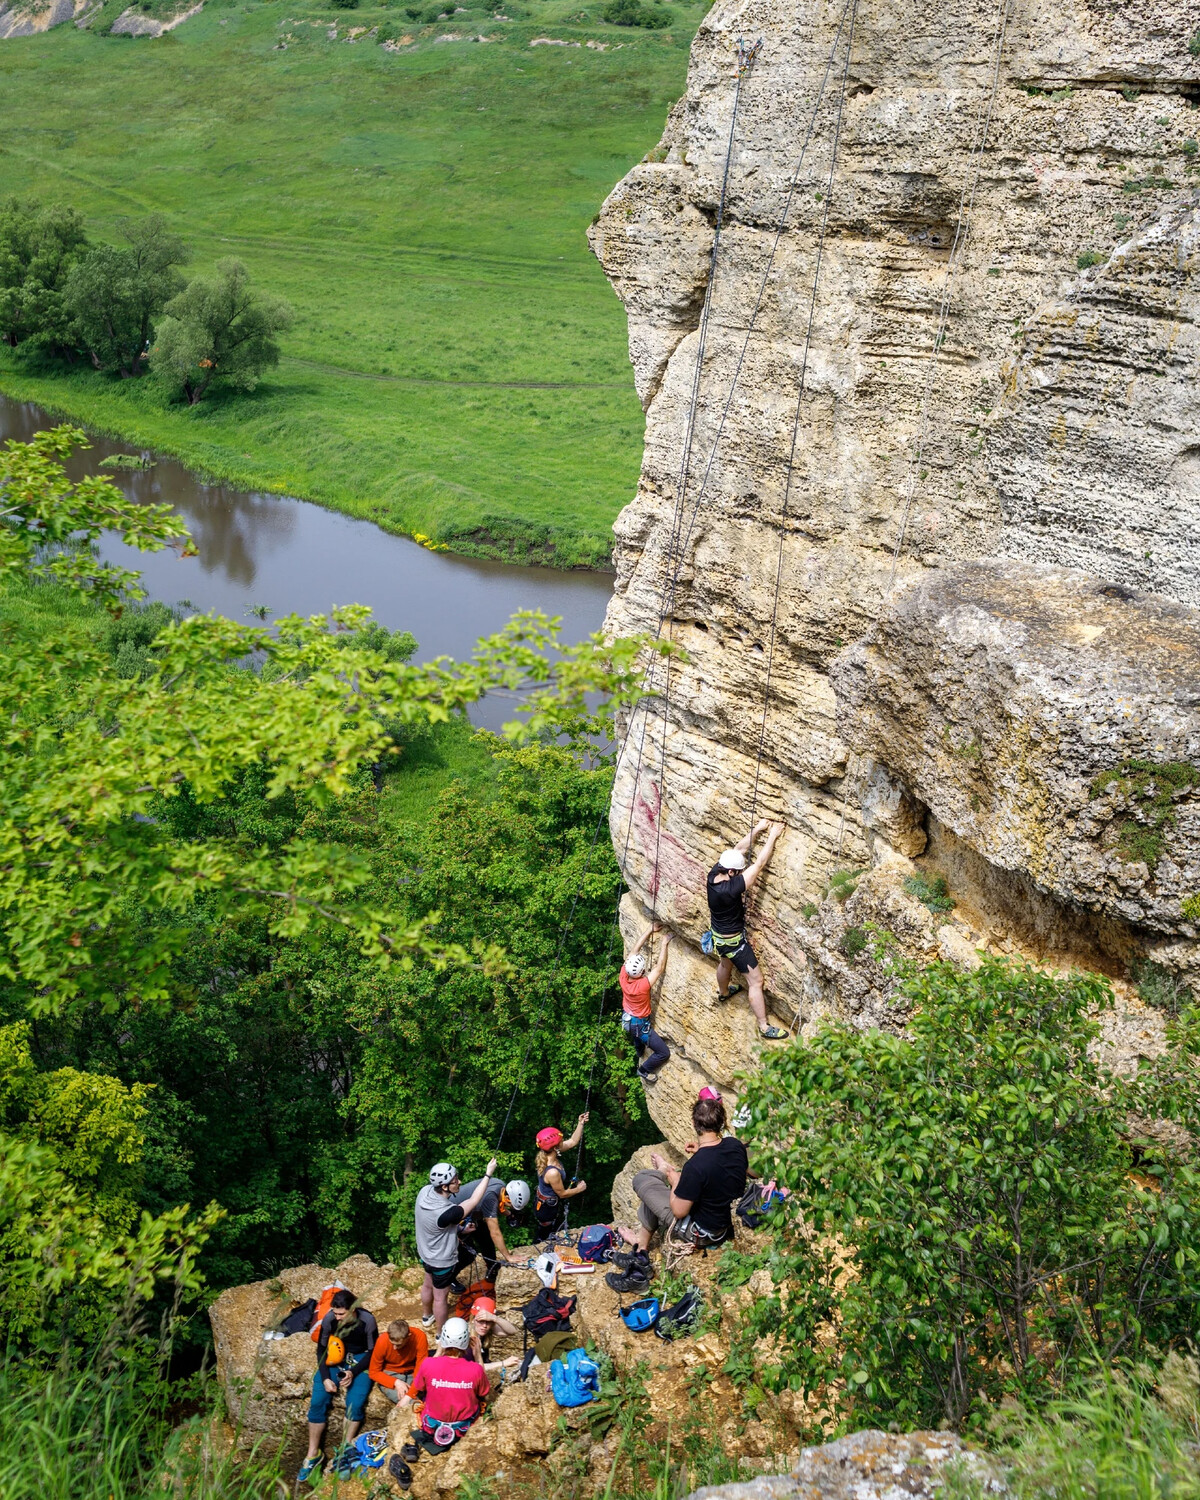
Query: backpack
x: 596, y: 1242
x: 368, y: 1449
x: 300, y: 1319
x: 324, y: 1302
x: 548, y: 1312
x: 576, y: 1380
x: 642, y: 1316
x: 679, y: 1321
x: 467, y: 1300
x: 757, y: 1202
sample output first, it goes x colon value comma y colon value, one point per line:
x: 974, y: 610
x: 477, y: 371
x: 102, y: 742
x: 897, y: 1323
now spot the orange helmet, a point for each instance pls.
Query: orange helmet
x: 335, y: 1350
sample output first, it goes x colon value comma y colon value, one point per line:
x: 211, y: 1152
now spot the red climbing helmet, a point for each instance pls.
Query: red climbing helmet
x: 708, y: 1092
x: 549, y: 1138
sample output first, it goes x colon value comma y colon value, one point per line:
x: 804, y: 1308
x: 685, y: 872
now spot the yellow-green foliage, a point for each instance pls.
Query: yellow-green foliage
x: 1148, y: 791
x: 90, y: 1125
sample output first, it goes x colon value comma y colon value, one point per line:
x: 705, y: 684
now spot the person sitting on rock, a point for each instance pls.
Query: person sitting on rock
x: 690, y: 1204
x: 396, y: 1358
x: 552, y: 1191
x: 510, y: 1199
x: 346, y: 1337
x: 438, y: 1215
x: 636, y: 989
x: 454, y: 1387
x: 728, y: 882
x: 485, y: 1323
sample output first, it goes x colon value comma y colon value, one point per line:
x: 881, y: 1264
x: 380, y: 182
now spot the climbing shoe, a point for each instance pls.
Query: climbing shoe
x: 636, y: 1277
x: 400, y: 1471
x: 774, y: 1034
x: 310, y: 1469
x: 410, y: 1453
x: 649, y: 1079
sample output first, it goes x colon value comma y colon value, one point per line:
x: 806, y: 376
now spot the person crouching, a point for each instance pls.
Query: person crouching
x: 397, y: 1356
x: 453, y: 1387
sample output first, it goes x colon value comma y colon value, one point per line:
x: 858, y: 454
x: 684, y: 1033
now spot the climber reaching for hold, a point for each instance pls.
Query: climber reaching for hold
x: 549, y: 1210
x: 728, y: 882
x: 636, y: 989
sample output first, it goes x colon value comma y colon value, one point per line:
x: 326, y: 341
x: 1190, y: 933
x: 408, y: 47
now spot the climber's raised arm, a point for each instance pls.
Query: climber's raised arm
x: 760, y: 863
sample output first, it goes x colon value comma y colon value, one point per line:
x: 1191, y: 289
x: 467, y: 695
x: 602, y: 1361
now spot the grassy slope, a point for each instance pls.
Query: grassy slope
x: 459, y: 362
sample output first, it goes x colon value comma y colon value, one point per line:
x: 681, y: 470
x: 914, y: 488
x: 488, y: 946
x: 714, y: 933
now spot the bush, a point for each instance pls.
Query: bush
x: 853, y: 942
x: 963, y: 1204
x: 633, y: 13
x: 344, y: 4
x: 1090, y: 258
x: 931, y: 893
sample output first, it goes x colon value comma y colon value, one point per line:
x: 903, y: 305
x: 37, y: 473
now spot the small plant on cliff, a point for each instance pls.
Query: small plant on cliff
x: 1090, y: 258
x: 1194, y: 45
x: 1159, y: 987
x: 963, y: 1218
x: 1148, y: 791
x: 842, y: 884
x: 853, y: 942
x: 933, y: 893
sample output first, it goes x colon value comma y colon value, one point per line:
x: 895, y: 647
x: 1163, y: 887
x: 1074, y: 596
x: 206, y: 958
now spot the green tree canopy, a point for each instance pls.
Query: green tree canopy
x: 114, y: 293
x: 37, y: 247
x: 219, y: 329
x: 964, y: 1216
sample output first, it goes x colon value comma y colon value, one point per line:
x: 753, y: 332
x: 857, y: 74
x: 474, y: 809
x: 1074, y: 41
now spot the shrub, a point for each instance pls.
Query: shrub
x: 843, y: 883
x: 1194, y: 45
x: 853, y: 942
x: 344, y: 4
x: 633, y: 13
x: 1161, y: 988
x: 932, y: 893
x: 1090, y: 258
x: 963, y: 1204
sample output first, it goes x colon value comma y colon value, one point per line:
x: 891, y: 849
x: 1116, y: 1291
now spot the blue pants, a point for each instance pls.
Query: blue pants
x: 643, y: 1036
x: 356, y: 1394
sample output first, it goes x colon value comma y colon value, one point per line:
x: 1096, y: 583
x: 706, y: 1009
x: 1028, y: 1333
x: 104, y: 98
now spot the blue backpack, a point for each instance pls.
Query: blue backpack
x: 576, y: 1380
x: 369, y: 1448
x: 596, y: 1242
x: 642, y: 1316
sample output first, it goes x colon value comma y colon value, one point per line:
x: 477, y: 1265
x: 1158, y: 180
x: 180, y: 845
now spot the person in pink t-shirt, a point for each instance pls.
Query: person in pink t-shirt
x: 453, y: 1388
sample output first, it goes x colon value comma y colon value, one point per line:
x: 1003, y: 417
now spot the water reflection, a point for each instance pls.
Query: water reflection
x: 257, y: 549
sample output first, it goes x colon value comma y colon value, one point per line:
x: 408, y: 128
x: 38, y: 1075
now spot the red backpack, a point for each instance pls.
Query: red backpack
x: 324, y: 1302
x: 467, y: 1300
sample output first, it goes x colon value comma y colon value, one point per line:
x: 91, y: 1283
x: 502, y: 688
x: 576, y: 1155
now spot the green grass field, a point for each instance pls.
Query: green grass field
x: 458, y: 366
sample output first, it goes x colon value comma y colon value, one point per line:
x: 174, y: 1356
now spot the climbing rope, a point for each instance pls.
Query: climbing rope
x: 787, y: 488
x: 958, y: 249
x: 682, y: 545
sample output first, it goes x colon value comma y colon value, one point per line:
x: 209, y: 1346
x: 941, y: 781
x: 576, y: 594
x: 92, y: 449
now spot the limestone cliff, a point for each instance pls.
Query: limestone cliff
x: 987, y: 541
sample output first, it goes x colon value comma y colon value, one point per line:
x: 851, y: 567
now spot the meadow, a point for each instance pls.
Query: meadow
x: 458, y: 366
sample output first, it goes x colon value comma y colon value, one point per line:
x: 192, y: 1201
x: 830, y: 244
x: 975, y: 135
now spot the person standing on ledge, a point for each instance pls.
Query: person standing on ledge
x: 728, y: 882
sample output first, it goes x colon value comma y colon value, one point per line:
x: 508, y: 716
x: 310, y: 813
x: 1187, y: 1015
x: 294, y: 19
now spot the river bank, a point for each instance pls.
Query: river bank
x: 255, y: 549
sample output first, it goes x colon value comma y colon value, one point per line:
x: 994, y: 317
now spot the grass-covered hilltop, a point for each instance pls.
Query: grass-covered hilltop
x: 419, y: 191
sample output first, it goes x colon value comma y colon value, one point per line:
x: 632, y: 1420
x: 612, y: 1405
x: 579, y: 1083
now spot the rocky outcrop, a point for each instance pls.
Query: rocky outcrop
x: 868, y: 1466
x: 951, y: 406
x: 133, y: 22
x: 29, y: 17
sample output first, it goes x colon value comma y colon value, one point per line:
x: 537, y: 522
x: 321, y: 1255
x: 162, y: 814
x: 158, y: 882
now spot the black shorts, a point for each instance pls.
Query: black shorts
x: 742, y: 957
x: 442, y: 1275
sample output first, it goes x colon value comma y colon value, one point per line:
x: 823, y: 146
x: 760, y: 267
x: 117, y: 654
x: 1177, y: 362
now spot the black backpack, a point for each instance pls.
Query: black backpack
x: 679, y: 1321
x: 548, y: 1312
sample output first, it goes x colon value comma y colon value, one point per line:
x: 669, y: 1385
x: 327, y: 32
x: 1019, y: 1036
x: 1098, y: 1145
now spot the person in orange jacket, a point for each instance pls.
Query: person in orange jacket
x: 396, y: 1358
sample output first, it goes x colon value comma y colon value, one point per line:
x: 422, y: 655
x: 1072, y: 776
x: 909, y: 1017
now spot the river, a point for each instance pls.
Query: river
x: 294, y: 557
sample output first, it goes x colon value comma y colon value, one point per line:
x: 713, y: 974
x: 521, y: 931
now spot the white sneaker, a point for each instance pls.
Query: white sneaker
x: 428, y: 1322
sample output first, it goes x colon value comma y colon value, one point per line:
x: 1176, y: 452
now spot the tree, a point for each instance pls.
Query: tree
x: 88, y: 757
x: 114, y: 294
x: 37, y: 247
x: 219, y: 329
x: 963, y: 1216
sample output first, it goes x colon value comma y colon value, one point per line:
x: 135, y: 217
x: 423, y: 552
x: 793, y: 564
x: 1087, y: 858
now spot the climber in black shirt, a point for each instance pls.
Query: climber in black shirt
x: 728, y: 882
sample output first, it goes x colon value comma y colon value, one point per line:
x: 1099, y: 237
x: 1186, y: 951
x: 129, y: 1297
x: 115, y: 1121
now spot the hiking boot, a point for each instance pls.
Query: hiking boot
x: 310, y: 1469
x: 400, y: 1472
x: 636, y: 1277
x: 410, y: 1453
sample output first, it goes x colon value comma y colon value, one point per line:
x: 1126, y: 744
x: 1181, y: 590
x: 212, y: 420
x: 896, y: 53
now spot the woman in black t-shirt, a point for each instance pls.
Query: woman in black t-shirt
x: 728, y: 883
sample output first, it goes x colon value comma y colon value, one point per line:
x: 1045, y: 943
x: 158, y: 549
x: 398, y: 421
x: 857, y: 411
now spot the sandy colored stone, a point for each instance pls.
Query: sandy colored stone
x: 1058, y: 426
x: 866, y: 1466
x: 34, y: 16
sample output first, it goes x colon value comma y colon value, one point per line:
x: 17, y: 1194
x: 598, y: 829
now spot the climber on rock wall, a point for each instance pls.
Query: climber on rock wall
x: 636, y: 989
x: 728, y: 882
x: 552, y: 1189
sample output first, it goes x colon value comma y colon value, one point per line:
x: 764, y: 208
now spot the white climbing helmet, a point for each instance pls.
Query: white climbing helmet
x: 518, y: 1194
x: 546, y: 1267
x: 455, y: 1334
x: 442, y: 1175
x: 732, y: 859
x: 635, y: 965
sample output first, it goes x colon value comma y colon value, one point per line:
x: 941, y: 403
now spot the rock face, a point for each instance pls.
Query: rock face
x: 27, y: 19
x: 919, y: 496
x: 865, y: 1466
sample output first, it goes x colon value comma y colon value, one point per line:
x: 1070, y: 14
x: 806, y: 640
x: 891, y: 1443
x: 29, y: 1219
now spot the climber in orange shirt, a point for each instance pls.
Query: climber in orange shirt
x: 396, y: 1358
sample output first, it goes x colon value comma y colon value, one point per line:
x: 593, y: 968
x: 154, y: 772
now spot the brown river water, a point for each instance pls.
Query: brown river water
x: 298, y: 558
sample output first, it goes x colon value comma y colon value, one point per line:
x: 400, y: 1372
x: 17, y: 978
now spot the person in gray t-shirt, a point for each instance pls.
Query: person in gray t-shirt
x: 480, y: 1232
x: 437, y: 1215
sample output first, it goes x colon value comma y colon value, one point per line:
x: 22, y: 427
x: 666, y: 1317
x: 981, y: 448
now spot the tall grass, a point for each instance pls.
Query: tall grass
x: 1122, y: 1437
x: 88, y: 1435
